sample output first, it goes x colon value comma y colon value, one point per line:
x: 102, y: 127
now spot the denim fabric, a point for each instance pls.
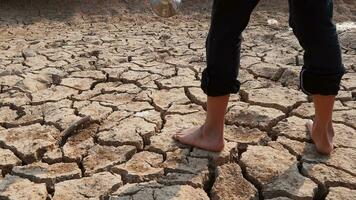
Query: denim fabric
x: 311, y: 21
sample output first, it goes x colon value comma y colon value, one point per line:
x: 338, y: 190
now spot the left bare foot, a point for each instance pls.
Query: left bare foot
x: 322, y: 136
x: 201, y: 138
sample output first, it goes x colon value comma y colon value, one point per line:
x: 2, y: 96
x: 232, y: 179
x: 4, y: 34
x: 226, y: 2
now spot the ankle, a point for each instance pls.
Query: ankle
x: 213, y: 131
x: 322, y: 122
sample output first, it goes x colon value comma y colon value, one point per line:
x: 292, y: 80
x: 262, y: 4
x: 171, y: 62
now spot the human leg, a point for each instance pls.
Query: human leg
x: 219, y: 78
x: 322, y: 71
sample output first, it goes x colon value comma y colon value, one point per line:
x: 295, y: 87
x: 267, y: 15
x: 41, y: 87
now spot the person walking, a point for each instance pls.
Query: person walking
x: 312, y: 24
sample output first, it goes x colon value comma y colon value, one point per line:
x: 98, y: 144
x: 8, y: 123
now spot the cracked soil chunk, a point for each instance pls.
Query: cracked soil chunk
x: 281, y: 98
x: 328, y: 176
x: 337, y: 193
x: 29, y: 141
x: 141, y: 167
x: 293, y: 128
x: 16, y: 188
x: 131, y: 131
x: 8, y: 159
x: 102, y: 158
x: 254, y: 116
x: 230, y: 184
x: 93, y: 187
x: 278, y: 174
x: 43, y: 173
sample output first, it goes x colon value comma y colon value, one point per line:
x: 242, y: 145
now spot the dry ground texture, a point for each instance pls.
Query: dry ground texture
x: 137, y: 78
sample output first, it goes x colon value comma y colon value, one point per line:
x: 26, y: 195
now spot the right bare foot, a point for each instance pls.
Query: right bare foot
x: 322, y: 137
x: 201, y: 138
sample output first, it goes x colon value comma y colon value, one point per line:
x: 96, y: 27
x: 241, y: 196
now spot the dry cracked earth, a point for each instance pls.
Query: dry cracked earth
x: 92, y: 91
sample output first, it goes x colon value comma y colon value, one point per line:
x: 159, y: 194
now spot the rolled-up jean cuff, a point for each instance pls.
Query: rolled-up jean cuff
x: 312, y: 84
x: 218, y: 87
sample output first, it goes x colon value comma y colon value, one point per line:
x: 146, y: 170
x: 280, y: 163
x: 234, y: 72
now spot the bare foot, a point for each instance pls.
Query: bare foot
x: 322, y: 137
x: 199, y: 137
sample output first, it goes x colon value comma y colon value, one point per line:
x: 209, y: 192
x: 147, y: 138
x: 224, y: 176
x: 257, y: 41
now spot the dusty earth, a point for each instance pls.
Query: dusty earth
x: 137, y: 78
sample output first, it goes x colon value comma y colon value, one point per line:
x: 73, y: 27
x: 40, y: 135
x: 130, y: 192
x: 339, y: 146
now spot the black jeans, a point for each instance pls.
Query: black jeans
x: 311, y: 21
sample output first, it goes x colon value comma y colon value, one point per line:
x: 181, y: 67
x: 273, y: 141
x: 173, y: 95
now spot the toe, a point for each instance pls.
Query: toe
x: 180, y: 130
x: 177, y: 136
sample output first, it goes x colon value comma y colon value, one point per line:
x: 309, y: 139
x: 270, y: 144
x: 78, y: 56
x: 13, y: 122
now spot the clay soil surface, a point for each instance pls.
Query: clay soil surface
x: 129, y: 80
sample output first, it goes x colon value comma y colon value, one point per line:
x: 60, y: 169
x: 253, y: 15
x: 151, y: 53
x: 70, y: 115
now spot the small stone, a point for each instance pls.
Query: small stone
x: 94, y: 187
x: 328, y: 176
x: 44, y: 173
x: 254, y: 116
x: 101, y: 158
x: 293, y: 128
x: 337, y: 193
x: 230, y: 184
x: 16, y: 188
x: 141, y: 167
x: 29, y: 141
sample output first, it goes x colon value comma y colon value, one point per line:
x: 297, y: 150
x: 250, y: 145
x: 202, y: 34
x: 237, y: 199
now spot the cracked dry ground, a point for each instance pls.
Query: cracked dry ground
x: 137, y: 77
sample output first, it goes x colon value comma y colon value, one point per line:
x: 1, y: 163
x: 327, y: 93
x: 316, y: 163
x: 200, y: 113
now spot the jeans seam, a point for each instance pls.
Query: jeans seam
x: 301, y: 83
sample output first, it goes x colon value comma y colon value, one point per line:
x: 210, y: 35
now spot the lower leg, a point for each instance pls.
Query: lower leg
x: 321, y: 129
x: 209, y: 136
